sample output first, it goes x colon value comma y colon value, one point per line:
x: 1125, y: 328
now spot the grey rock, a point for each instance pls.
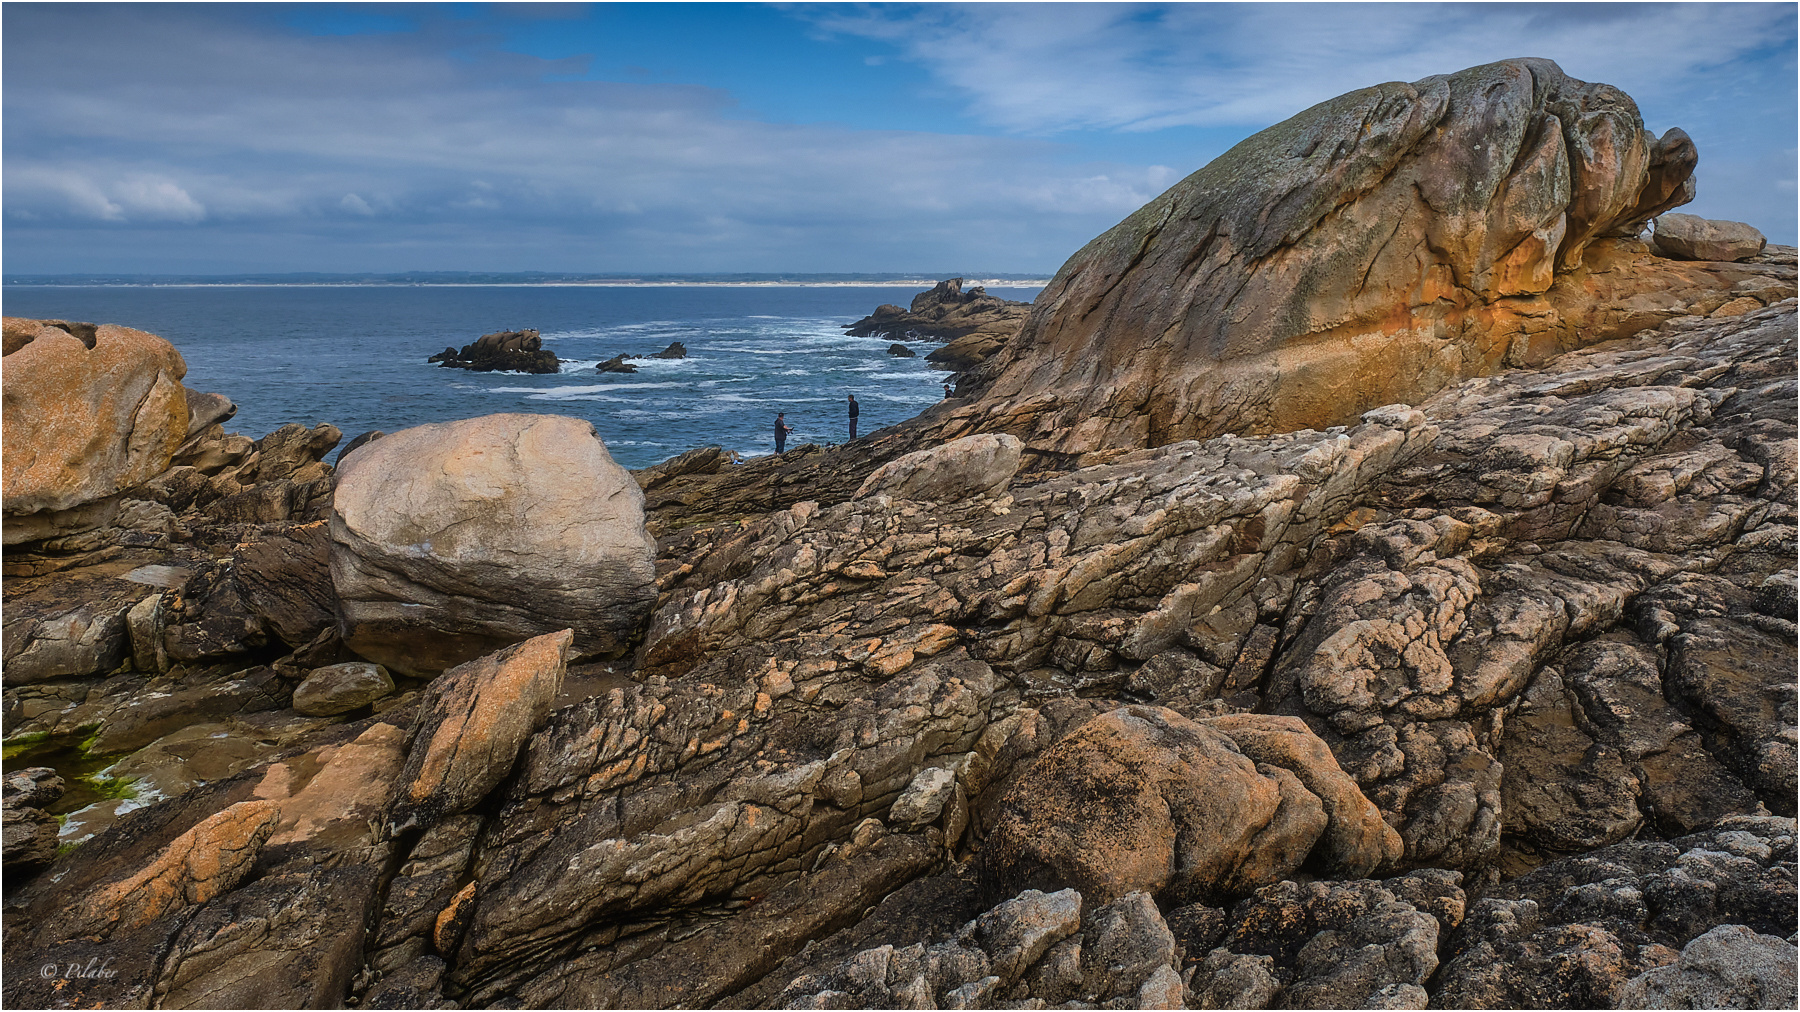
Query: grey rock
x: 971, y: 466
x: 1728, y: 967
x: 1689, y: 237
x: 340, y: 688
x: 924, y: 799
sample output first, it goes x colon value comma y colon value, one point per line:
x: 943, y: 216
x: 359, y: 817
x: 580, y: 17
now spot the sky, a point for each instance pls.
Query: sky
x: 645, y: 138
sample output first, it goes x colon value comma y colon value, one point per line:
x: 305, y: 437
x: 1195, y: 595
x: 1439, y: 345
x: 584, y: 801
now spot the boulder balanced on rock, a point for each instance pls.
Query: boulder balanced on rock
x: 451, y: 540
x: 1690, y: 237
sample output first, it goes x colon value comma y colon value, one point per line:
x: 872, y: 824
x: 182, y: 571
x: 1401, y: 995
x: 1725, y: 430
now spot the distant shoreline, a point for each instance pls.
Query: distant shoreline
x: 1036, y: 283
x: 926, y: 282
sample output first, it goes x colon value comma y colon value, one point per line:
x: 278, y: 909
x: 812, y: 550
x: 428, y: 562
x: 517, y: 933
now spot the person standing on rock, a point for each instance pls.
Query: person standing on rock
x: 853, y: 411
x: 946, y: 391
x: 782, y: 429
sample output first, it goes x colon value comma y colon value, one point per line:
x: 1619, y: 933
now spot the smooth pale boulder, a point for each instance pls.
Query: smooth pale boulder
x: 1370, y: 250
x: 340, y: 688
x: 962, y: 468
x: 1691, y: 237
x: 90, y: 411
x: 451, y: 540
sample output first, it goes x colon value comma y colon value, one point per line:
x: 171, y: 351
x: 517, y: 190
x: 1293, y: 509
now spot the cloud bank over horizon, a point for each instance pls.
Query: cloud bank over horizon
x: 1001, y: 137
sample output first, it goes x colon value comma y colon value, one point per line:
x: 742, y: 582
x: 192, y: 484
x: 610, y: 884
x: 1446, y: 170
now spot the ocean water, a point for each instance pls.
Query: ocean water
x: 354, y: 356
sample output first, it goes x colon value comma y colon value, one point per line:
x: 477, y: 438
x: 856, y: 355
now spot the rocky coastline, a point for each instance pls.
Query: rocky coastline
x: 1365, y: 578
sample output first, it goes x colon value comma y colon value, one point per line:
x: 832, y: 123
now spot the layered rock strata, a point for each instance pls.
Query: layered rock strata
x: 839, y: 714
x: 1483, y: 701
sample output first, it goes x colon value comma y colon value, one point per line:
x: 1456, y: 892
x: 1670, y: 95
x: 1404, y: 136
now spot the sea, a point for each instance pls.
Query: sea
x: 355, y: 355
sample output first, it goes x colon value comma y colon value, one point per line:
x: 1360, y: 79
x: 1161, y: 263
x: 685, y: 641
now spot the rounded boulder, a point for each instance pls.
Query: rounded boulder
x: 1142, y: 798
x: 90, y: 411
x: 340, y: 688
x: 452, y: 540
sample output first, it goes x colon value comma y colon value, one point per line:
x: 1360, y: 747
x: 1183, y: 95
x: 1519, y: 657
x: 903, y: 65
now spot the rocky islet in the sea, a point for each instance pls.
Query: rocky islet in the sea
x: 502, y: 351
x: 972, y: 324
x: 1481, y: 700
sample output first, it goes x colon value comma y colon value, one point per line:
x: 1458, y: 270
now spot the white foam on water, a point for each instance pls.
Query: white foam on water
x: 935, y: 375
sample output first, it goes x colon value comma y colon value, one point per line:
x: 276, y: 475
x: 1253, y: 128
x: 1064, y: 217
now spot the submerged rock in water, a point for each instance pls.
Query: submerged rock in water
x: 450, y: 540
x: 974, y: 323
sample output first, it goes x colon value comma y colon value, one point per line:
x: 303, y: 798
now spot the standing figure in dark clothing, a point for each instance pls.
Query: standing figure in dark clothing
x: 781, y: 432
x: 853, y: 410
x: 946, y: 391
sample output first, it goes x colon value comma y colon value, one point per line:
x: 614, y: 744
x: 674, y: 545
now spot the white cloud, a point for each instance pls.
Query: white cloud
x: 1049, y: 67
x: 205, y: 118
x: 81, y: 192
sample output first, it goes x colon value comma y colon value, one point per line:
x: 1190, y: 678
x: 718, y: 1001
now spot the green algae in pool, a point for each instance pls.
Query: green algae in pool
x: 85, y: 781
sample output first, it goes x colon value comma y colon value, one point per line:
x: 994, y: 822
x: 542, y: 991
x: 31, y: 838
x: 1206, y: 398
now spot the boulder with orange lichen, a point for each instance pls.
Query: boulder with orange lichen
x: 472, y: 724
x: 90, y: 411
x: 1374, y: 248
x: 1142, y: 798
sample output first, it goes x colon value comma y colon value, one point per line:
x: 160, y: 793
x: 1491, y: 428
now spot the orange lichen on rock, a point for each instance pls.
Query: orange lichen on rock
x: 472, y: 725
x: 207, y: 860
x: 90, y: 411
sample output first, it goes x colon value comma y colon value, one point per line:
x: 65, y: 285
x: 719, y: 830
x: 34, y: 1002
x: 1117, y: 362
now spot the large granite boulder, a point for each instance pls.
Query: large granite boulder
x: 1690, y: 237
x: 451, y: 540
x: 90, y: 412
x: 1142, y: 798
x: 1371, y: 249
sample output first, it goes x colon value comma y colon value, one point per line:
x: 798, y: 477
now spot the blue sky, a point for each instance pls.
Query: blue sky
x: 224, y: 138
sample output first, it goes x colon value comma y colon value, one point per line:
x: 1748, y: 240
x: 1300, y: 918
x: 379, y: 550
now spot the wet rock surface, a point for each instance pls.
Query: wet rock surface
x: 973, y: 323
